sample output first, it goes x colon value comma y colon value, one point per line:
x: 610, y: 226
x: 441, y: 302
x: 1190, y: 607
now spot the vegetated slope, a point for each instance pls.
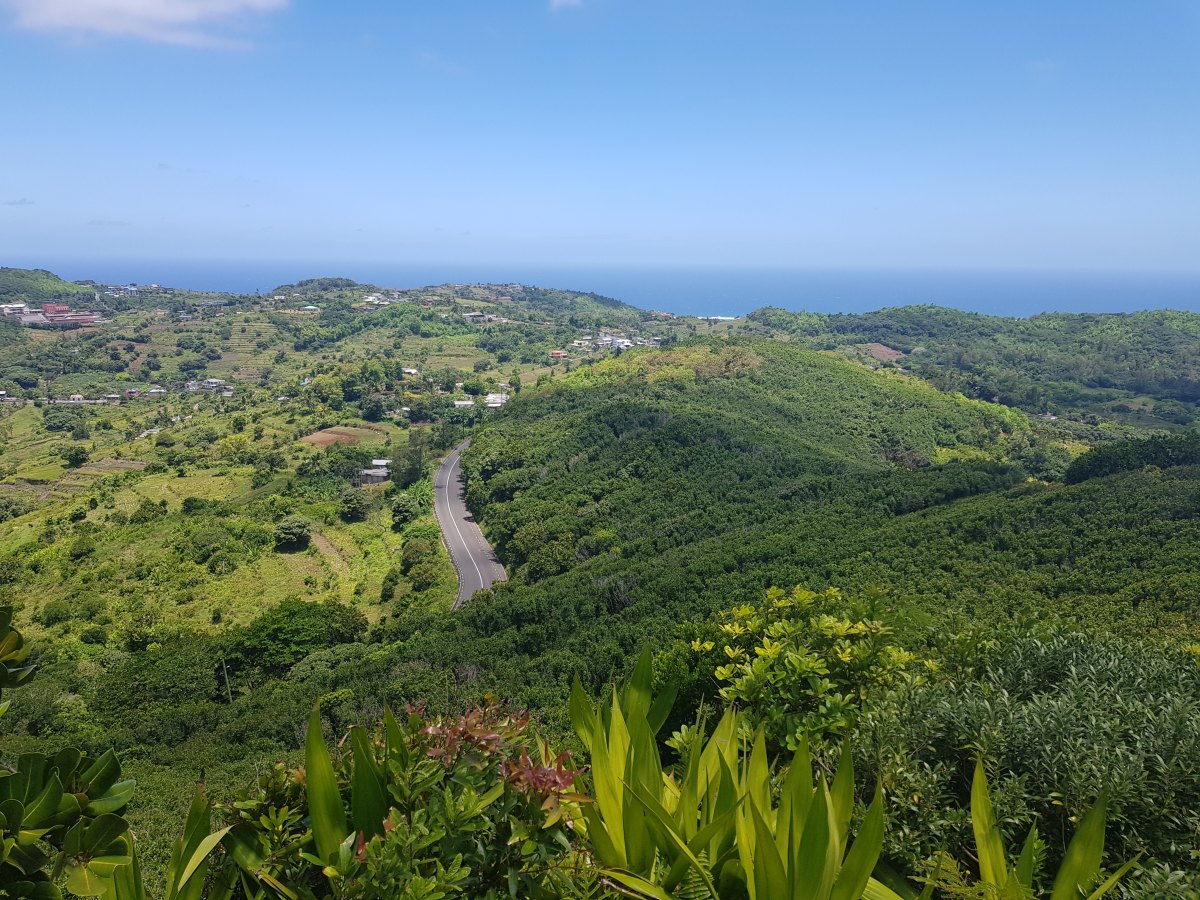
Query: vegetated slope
x: 1119, y: 553
x: 659, y: 486
x: 36, y: 286
x: 1143, y: 367
x: 652, y: 489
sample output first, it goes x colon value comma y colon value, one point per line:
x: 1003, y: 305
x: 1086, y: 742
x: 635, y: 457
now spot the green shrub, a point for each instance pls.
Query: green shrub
x: 465, y: 807
x: 801, y: 664
x: 281, y: 637
x: 1062, y: 718
x: 292, y: 533
x: 354, y: 505
x: 405, y: 508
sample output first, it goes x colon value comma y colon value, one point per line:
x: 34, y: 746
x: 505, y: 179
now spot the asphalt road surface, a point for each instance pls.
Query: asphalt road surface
x: 473, y: 557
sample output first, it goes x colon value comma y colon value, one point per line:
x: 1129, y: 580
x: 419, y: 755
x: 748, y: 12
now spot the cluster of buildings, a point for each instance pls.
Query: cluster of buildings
x: 379, y: 301
x: 482, y: 318
x: 493, y: 400
x: 604, y: 341
x: 49, y: 314
x: 209, y: 385
x: 155, y: 393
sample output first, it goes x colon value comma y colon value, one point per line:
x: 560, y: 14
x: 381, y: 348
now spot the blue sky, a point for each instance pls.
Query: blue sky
x: 946, y: 134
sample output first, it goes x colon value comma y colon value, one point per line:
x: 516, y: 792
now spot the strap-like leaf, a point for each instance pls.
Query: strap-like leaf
x: 769, y: 876
x: 324, y: 801
x: 1113, y: 879
x: 1081, y: 865
x: 993, y: 868
x: 1024, y: 872
x: 842, y: 795
x: 864, y: 853
x: 583, y: 717
x: 636, y: 884
x: 368, y: 797
x: 187, y: 883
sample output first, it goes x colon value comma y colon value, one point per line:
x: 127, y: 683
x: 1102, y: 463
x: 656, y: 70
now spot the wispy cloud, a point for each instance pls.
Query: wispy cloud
x: 198, y: 23
x: 24, y: 201
x: 565, y: 4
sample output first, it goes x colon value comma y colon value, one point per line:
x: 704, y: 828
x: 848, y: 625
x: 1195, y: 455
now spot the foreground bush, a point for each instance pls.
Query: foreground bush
x: 1061, y: 718
x: 471, y: 807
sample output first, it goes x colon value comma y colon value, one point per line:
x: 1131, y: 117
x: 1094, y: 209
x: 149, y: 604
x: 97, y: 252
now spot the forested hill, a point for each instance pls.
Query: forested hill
x: 653, y: 488
x: 518, y: 301
x: 36, y: 286
x: 1141, y: 367
x: 656, y: 487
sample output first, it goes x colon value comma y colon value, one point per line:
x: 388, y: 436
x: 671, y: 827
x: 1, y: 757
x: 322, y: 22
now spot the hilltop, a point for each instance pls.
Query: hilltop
x: 38, y: 286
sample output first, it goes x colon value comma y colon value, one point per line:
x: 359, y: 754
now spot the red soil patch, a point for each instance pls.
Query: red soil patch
x: 883, y: 352
x: 337, y: 435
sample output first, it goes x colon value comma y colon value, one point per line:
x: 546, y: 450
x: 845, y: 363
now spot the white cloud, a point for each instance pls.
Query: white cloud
x: 166, y: 21
x: 565, y: 4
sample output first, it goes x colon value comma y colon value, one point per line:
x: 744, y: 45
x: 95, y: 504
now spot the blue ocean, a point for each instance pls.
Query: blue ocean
x: 702, y: 290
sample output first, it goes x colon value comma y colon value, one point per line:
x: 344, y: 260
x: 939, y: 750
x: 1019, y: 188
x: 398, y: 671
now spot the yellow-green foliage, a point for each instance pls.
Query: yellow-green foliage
x: 801, y: 664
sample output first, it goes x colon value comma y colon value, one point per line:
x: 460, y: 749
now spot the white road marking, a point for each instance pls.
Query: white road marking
x: 454, y: 518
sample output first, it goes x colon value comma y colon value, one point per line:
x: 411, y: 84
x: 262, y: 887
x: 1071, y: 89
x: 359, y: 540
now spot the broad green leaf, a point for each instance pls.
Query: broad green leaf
x: 101, y: 775
x: 113, y: 800
x: 324, y: 801
x: 82, y: 881
x: 103, y: 832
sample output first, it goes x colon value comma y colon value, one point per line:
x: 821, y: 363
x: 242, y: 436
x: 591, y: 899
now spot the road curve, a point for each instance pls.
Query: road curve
x: 473, y: 557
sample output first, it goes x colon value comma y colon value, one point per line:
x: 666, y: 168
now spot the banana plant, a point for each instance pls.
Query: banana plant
x: 714, y: 831
x: 1080, y: 868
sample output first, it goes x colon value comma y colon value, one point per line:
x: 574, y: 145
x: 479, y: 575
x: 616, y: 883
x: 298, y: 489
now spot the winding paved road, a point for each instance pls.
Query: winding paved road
x: 473, y: 557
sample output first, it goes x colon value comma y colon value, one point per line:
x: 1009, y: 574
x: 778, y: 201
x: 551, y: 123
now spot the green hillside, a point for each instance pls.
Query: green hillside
x: 659, y: 487
x: 38, y: 286
x: 1138, y: 367
x: 196, y: 570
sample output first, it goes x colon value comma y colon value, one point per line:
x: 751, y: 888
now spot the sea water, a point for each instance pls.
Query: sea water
x: 699, y: 290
